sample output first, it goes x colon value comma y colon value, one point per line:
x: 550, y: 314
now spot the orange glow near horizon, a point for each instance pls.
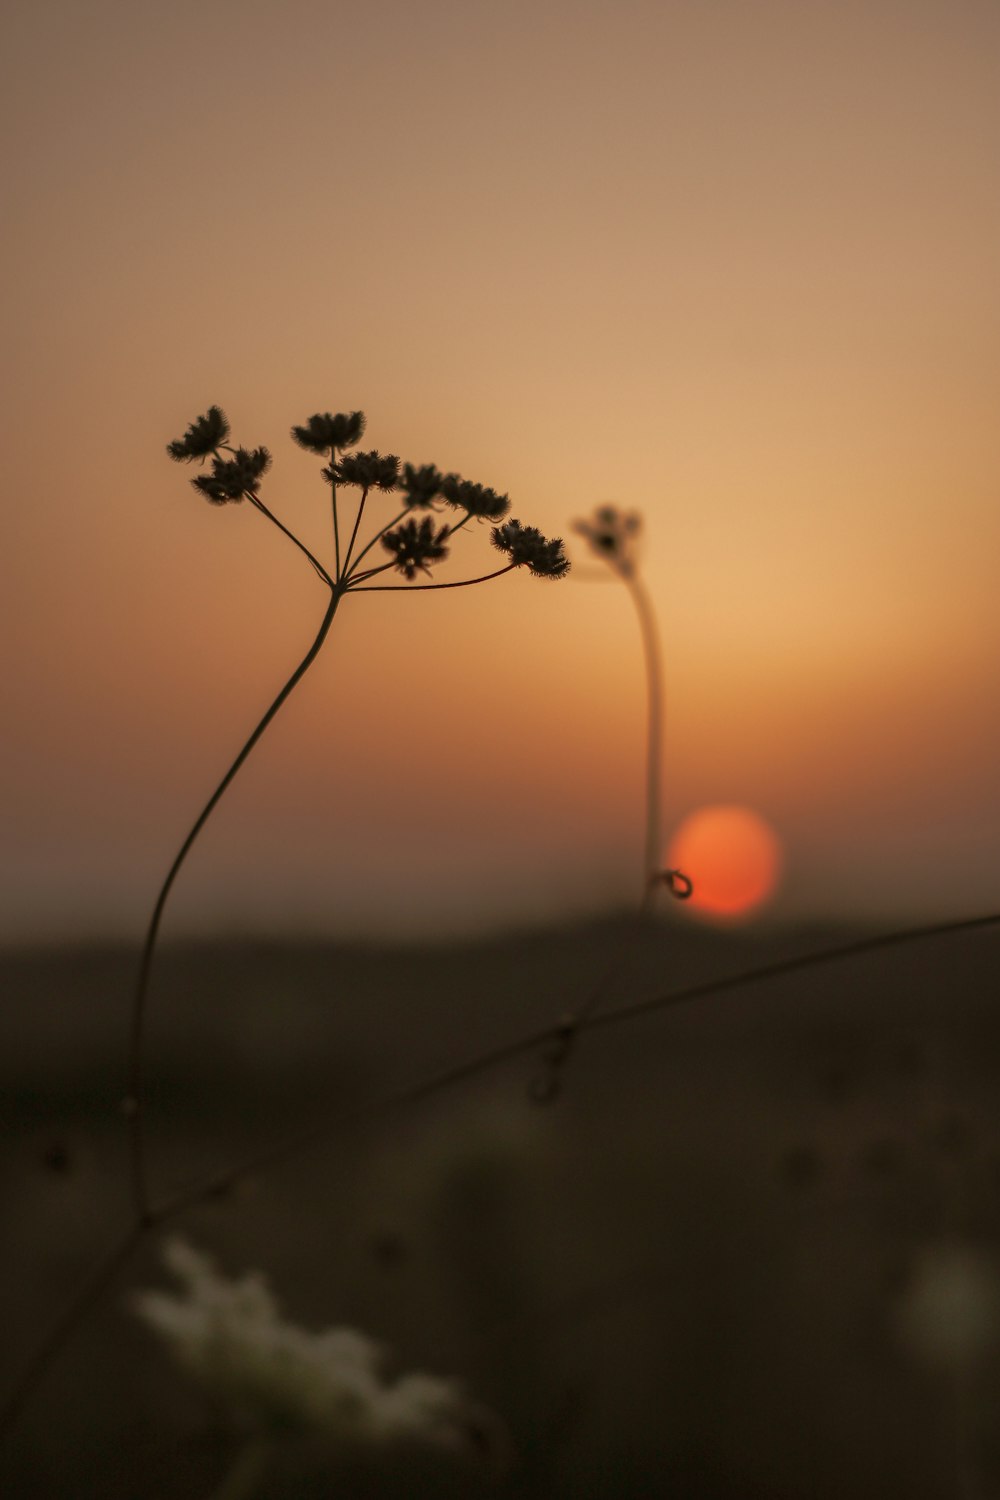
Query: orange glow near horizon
x: 731, y: 856
x: 756, y: 302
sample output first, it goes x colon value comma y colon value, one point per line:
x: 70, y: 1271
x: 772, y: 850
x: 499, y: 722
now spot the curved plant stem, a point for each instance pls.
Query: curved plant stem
x: 424, y: 1088
x: 653, y: 855
x: 259, y: 504
x: 356, y: 576
x: 412, y: 588
x: 97, y: 1283
x: 134, y: 1100
x: 369, y: 545
x: 354, y: 533
x: 474, y: 1066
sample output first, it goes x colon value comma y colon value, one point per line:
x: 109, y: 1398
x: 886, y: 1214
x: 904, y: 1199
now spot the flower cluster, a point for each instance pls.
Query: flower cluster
x: 421, y: 487
x: 415, y: 544
x: 203, y: 437
x: 477, y: 499
x: 324, y: 433
x: 525, y: 546
x: 232, y: 478
x: 613, y: 534
x: 231, y: 1337
x: 236, y: 472
x: 369, y: 471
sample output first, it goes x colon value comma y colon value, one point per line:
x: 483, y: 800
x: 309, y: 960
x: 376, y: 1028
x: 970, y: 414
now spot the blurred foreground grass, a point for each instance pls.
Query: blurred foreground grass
x: 687, y: 1276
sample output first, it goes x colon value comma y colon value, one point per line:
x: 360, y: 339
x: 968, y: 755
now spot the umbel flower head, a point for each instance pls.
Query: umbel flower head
x: 415, y: 544
x: 477, y: 499
x: 369, y: 471
x: 420, y: 487
x: 323, y: 433
x: 525, y: 546
x: 231, y: 478
x: 612, y: 534
x: 230, y: 1336
x: 202, y: 438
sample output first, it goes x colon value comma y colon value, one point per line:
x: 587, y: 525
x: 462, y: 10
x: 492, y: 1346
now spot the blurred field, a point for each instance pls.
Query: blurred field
x: 685, y: 1277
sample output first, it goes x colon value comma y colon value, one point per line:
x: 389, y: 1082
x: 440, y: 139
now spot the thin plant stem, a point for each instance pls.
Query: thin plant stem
x: 356, y: 576
x: 412, y: 588
x: 354, y: 533
x: 544, y: 1087
x: 336, y: 521
x: 378, y: 535
x: 370, y: 573
x: 422, y: 1089
x: 134, y: 1099
x: 259, y: 504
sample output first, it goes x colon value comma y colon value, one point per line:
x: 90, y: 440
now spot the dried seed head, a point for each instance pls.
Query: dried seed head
x: 203, y: 437
x: 416, y: 544
x: 232, y: 478
x: 323, y: 433
x: 369, y: 471
x: 525, y: 546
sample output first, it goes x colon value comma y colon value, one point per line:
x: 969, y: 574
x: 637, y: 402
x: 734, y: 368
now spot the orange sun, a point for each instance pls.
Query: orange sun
x: 731, y: 856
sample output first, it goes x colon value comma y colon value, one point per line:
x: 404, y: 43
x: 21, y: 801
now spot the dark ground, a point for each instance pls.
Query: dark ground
x: 683, y: 1278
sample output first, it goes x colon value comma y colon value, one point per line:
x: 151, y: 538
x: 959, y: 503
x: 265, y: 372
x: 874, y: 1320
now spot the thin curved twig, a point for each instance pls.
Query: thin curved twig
x: 134, y: 1099
x: 653, y: 853
x: 345, y: 570
x: 424, y: 1088
x: 259, y: 504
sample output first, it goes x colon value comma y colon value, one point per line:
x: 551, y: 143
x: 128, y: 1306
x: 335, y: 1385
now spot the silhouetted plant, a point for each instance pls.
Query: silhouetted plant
x: 415, y: 546
x: 613, y: 535
x: 235, y: 476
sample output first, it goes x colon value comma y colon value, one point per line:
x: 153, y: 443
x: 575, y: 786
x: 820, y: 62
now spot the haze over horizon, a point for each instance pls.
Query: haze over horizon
x: 733, y: 267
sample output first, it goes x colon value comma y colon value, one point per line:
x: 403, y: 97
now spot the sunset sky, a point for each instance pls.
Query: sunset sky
x: 732, y: 265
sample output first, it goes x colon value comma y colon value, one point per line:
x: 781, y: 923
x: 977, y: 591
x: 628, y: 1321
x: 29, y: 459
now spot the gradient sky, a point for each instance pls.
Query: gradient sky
x: 734, y: 265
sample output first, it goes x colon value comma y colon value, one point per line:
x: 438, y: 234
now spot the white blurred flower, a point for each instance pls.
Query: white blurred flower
x: 950, y: 1311
x: 230, y: 1335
